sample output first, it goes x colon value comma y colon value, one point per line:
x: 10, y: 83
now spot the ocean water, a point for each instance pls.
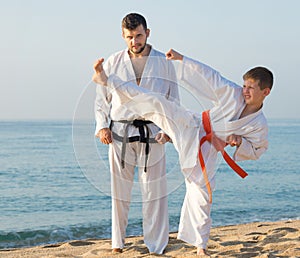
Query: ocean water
x: 55, y: 184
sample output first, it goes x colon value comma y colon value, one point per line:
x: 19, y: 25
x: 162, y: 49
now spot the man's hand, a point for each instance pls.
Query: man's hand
x: 162, y: 138
x: 104, y: 135
x: 99, y: 75
x: 234, y: 140
x: 173, y: 55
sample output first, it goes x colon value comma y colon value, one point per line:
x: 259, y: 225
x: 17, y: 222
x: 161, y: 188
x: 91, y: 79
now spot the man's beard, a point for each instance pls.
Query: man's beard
x: 140, y: 51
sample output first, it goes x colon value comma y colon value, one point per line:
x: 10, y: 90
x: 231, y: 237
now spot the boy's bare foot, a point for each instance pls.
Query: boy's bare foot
x: 202, y: 252
x: 117, y: 250
x: 99, y: 75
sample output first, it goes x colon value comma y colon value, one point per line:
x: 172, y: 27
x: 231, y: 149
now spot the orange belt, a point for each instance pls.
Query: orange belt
x: 219, y: 146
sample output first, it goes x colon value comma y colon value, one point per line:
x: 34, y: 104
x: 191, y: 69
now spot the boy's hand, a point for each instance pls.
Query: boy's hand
x: 173, y: 55
x: 99, y: 75
x: 234, y: 140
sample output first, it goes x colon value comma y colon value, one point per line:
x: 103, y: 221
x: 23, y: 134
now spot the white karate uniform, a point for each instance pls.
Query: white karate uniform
x: 158, y: 76
x: 185, y: 129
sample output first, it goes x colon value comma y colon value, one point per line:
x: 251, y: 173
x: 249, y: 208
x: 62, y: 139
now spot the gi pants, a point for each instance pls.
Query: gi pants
x: 153, y: 190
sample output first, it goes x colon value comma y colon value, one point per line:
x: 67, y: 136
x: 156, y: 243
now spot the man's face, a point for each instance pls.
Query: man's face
x: 136, y: 39
x: 252, y: 93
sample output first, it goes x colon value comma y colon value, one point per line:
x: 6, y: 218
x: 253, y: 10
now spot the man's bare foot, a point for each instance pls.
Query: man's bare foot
x: 202, y: 252
x: 117, y: 250
x: 99, y: 75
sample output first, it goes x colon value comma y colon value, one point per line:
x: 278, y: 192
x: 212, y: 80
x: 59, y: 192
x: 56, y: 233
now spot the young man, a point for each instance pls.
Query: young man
x: 134, y: 142
x: 236, y: 119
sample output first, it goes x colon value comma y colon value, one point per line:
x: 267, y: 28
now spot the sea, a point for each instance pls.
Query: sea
x: 55, y: 184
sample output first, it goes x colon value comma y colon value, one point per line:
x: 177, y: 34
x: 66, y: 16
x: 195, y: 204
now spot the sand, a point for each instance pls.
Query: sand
x: 266, y: 239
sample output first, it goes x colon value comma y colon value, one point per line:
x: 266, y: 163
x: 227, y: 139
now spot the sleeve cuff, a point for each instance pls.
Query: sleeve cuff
x: 243, y: 149
x: 100, y: 126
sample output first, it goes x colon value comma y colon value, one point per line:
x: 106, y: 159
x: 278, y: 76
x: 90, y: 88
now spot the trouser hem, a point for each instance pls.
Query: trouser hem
x: 203, y: 246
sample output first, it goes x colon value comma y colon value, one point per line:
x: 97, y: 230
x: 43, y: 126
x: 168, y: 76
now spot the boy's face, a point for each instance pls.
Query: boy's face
x: 252, y: 93
x: 136, y: 39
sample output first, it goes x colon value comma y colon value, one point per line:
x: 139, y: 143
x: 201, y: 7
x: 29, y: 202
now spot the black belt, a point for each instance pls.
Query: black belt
x: 140, y: 124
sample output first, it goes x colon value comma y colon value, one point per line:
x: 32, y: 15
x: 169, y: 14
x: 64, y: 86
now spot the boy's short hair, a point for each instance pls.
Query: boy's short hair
x: 133, y: 20
x: 263, y: 75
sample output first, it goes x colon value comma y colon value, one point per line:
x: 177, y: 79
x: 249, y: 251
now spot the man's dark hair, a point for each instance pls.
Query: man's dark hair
x: 261, y: 74
x: 133, y: 20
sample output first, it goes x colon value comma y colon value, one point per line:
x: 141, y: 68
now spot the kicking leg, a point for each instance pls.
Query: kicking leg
x: 181, y: 125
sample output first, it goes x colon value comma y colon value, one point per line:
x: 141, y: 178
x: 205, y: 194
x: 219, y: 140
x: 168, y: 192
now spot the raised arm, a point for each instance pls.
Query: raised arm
x: 200, y: 79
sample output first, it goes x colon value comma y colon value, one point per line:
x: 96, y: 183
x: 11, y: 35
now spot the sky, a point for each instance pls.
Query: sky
x: 48, y: 47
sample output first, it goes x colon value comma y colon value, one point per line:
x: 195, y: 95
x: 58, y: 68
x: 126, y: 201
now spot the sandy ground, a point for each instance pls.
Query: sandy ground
x: 266, y: 239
